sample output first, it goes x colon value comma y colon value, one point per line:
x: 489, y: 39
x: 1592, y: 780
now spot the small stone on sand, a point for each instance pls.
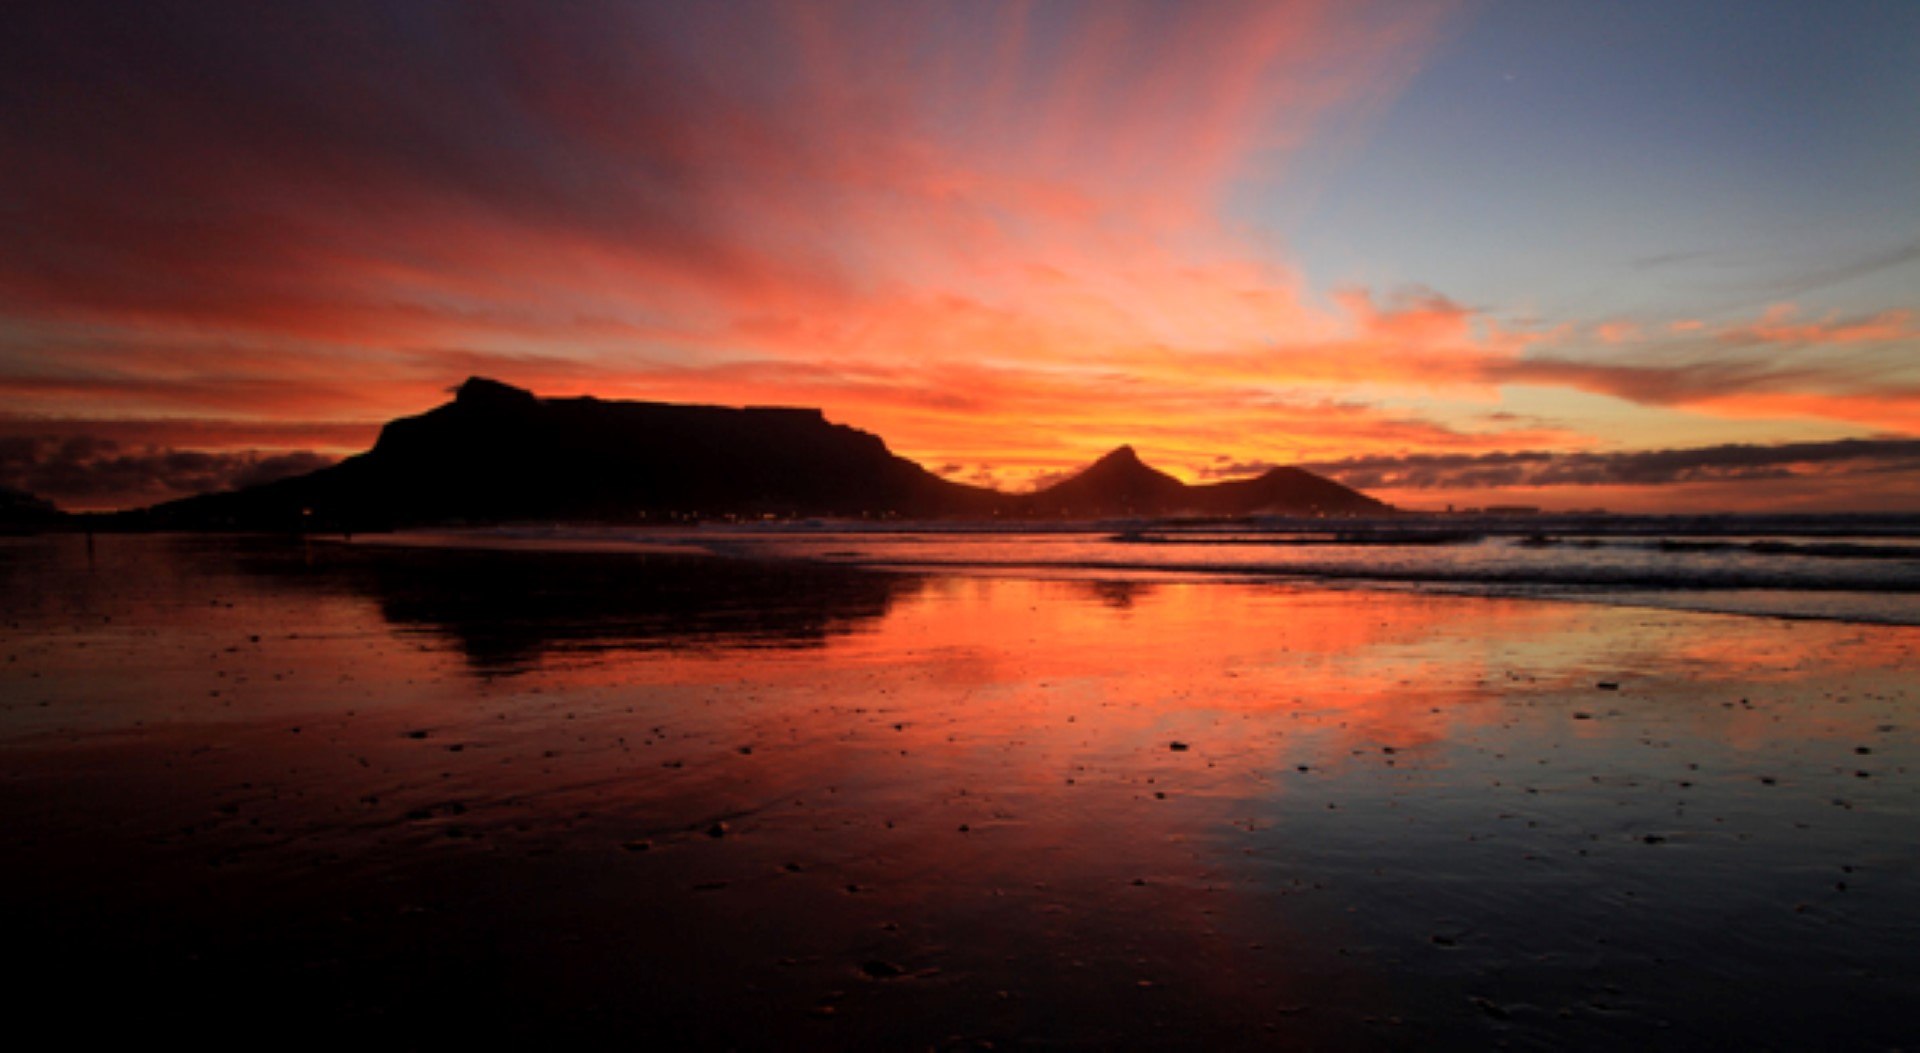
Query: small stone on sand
x: 1491, y: 1008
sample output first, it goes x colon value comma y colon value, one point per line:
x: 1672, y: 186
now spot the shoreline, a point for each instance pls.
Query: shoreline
x: 1868, y: 602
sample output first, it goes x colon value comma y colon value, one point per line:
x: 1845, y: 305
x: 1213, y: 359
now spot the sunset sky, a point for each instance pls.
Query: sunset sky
x: 1646, y: 256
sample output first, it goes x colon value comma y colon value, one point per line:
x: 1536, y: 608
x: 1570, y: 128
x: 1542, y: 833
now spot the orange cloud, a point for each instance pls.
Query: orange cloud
x: 1618, y: 332
x: 1776, y: 326
x: 1852, y: 370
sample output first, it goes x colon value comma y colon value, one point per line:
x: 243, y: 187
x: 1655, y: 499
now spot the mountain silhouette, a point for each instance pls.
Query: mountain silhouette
x: 497, y: 453
x: 1292, y: 491
x: 21, y: 511
x: 1120, y: 484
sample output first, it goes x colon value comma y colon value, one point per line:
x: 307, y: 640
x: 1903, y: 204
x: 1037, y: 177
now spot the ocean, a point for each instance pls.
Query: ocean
x: 1861, y: 568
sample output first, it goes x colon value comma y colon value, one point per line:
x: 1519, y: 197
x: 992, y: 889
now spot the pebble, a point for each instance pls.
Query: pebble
x: 1491, y: 1008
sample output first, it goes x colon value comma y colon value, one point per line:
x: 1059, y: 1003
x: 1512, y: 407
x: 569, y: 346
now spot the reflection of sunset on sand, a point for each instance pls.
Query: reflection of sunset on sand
x: 898, y: 810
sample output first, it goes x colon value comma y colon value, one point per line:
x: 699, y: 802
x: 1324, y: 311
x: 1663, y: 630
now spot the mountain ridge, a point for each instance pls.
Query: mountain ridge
x: 499, y: 453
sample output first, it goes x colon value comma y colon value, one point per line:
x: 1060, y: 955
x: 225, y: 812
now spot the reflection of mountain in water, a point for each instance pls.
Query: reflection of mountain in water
x: 1120, y: 595
x: 508, y: 609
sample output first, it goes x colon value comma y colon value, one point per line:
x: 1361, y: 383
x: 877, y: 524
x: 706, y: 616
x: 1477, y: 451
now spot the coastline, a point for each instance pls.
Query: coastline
x: 1834, y: 569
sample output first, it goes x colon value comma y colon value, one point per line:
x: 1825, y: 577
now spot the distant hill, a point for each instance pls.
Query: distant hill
x: 1286, y: 491
x: 497, y: 453
x: 21, y: 511
x: 1120, y: 484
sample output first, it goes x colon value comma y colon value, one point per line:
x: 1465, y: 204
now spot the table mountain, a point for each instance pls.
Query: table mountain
x: 497, y: 453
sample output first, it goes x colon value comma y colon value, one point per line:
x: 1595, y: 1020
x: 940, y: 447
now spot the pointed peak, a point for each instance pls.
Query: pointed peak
x: 484, y: 391
x: 1124, y: 465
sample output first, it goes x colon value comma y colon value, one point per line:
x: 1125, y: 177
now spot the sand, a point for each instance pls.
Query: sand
x: 258, y: 790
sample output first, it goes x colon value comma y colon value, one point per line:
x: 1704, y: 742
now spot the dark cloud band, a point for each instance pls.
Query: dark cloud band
x: 82, y: 472
x: 1725, y: 463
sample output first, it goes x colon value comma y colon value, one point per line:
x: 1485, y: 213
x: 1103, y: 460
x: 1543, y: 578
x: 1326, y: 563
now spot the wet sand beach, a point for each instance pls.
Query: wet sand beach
x: 265, y: 791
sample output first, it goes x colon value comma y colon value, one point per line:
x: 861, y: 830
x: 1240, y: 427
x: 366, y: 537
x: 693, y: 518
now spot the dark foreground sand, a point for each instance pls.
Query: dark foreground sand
x: 265, y: 794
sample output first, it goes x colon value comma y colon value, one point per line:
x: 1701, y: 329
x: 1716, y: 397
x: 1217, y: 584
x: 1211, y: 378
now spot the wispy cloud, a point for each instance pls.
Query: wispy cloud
x: 1734, y: 279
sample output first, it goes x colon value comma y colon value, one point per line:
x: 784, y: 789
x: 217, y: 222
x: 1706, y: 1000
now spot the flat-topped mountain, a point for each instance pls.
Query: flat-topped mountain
x: 497, y: 453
